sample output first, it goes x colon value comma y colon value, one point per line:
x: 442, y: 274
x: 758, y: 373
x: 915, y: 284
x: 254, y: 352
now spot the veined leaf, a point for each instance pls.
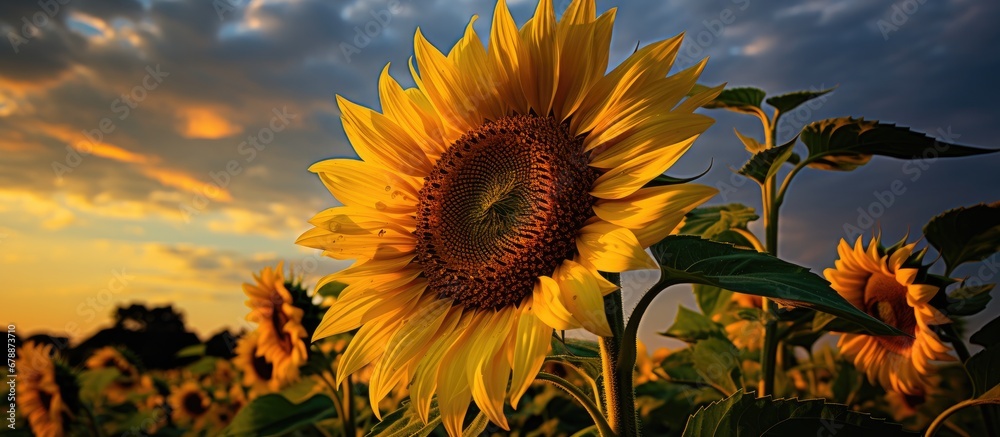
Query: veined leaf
x: 964, y: 235
x: 711, y: 221
x: 745, y: 414
x: 788, y: 102
x: 717, y: 361
x: 690, y: 326
x: 688, y: 259
x: 272, y: 414
x: 846, y: 143
x: 743, y: 99
x: 762, y: 166
x: 982, y: 367
x: 988, y: 335
x: 969, y: 300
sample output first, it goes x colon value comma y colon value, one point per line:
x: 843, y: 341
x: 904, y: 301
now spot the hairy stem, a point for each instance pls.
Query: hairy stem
x: 619, y: 395
x: 602, y: 424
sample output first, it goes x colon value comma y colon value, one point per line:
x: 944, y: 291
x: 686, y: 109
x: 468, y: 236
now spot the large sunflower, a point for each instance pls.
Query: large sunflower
x: 281, y: 336
x: 884, y: 284
x: 488, y: 198
x: 46, y: 391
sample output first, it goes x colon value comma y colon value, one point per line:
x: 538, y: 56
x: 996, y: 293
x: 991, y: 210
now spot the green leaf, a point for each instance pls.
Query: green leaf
x: 663, y: 179
x: 272, y: 414
x: 984, y: 368
x: 688, y: 259
x: 788, y: 102
x: 94, y: 382
x: 964, y: 235
x: 745, y: 414
x: 762, y: 166
x: 331, y: 289
x: 710, y: 221
x: 584, y: 354
x: 744, y: 99
x: 711, y: 300
x: 988, y: 335
x: 405, y: 422
x: 691, y: 326
x: 847, y: 143
x: 196, y: 350
x: 752, y: 145
x: 969, y: 300
x: 717, y: 362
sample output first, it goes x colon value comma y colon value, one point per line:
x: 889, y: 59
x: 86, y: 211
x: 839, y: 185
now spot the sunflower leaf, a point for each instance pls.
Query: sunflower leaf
x: 988, y: 335
x: 670, y: 180
x: 982, y: 367
x: 964, y: 235
x: 763, y: 165
x: 406, y: 422
x: 788, y: 102
x: 969, y: 300
x: 717, y: 361
x: 272, y: 414
x: 711, y: 221
x: 743, y: 99
x: 689, y: 259
x: 847, y: 143
x: 690, y: 326
x: 331, y: 289
x: 746, y: 414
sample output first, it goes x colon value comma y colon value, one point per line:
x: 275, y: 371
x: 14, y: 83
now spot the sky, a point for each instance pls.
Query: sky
x: 156, y: 150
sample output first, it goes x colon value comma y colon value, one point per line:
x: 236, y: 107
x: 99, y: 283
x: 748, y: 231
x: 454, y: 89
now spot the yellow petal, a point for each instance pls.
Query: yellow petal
x: 529, y: 352
x: 698, y: 100
x: 366, y: 346
x: 581, y: 292
x: 506, y: 56
x: 446, y: 88
x: 658, y: 134
x: 629, y: 177
x: 425, y: 376
x: 355, y: 307
x: 548, y: 306
x: 378, y: 139
x: 487, y: 374
x: 540, y: 74
x: 653, y: 213
x: 411, y: 110
x: 362, y: 270
x: 470, y: 58
x: 583, y: 59
x: 610, y: 248
x: 359, y: 183
x: 411, y: 339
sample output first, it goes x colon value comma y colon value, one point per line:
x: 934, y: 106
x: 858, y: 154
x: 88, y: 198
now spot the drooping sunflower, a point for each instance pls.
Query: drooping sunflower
x: 259, y: 372
x: 281, y: 336
x: 47, y: 391
x: 884, y: 283
x: 190, y: 405
x: 488, y: 198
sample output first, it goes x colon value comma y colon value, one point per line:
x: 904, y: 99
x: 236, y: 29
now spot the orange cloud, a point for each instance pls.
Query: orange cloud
x: 206, y: 123
x: 183, y: 181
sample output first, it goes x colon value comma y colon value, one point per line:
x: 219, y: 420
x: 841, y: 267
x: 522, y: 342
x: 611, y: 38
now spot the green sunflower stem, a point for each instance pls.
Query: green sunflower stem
x: 602, y: 424
x: 349, y: 427
x: 618, y: 393
x: 769, y: 353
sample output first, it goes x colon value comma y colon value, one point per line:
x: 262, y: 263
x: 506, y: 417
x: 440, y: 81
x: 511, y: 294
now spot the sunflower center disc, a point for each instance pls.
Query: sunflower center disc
x: 885, y: 299
x: 502, y: 207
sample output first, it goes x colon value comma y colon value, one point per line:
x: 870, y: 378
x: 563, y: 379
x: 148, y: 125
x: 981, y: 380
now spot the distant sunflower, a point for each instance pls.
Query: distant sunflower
x: 884, y: 284
x: 190, y: 405
x: 46, y: 391
x: 259, y: 372
x: 488, y: 198
x: 128, y: 379
x: 281, y: 336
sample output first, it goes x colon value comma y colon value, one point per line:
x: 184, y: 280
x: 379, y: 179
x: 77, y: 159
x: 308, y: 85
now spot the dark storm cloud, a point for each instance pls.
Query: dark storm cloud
x: 932, y: 72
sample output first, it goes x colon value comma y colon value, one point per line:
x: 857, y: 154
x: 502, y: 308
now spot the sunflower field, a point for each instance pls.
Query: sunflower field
x: 497, y: 212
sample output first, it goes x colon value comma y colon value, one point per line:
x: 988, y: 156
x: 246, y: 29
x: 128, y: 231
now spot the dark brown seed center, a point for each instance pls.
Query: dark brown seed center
x: 885, y: 299
x: 502, y: 207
